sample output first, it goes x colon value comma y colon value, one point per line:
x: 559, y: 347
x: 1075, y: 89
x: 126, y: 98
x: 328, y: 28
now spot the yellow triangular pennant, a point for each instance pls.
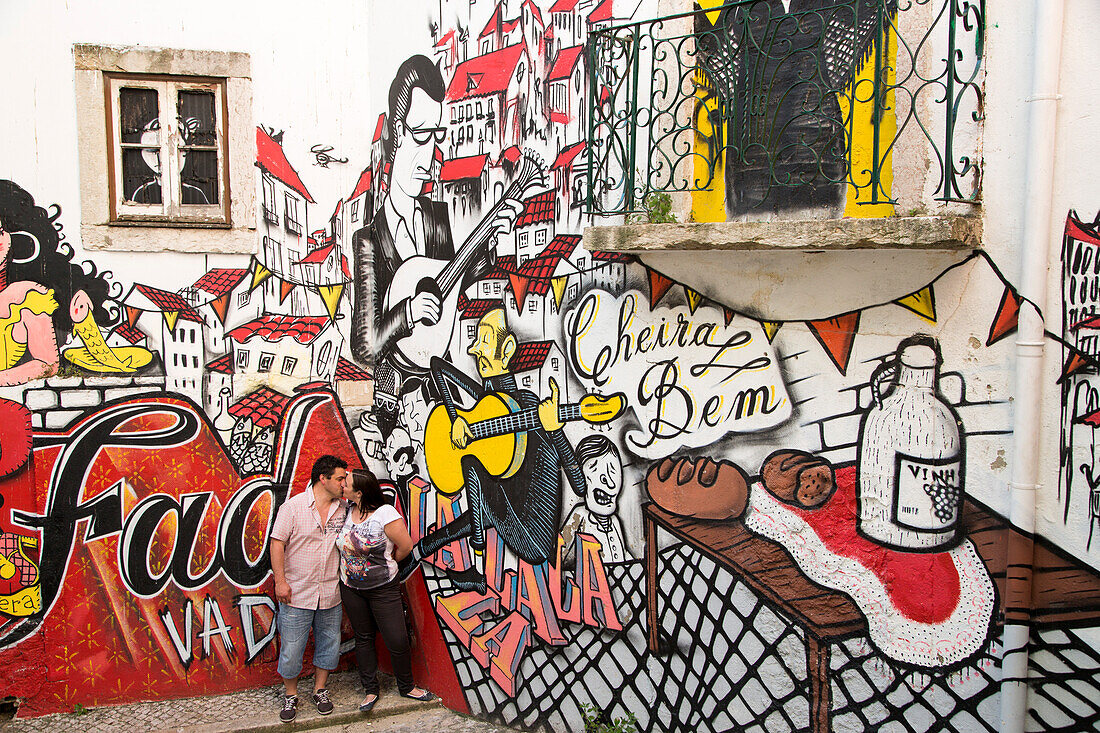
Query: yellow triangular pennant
x: 694, y: 298
x: 771, y: 328
x: 170, y: 318
x: 712, y: 15
x: 331, y: 295
x: 922, y: 302
x: 259, y: 274
x: 558, y: 285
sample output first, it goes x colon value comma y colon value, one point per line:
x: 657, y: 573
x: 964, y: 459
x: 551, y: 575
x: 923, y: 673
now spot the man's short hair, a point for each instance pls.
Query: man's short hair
x: 326, y: 465
x: 417, y: 72
x: 594, y: 446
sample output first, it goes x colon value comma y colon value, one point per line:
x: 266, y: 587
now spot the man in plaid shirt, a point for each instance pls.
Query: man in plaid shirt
x: 306, y: 566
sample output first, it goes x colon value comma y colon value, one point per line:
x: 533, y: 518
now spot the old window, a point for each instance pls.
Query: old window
x: 540, y: 238
x: 242, y: 358
x: 290, y: 214
x: 322, y: 357
x: 243, y: 298
x: 165, y: 140
x: 289, y: 362
x: 271, y: 214
x: 168, y: 157
x: 264, y: 364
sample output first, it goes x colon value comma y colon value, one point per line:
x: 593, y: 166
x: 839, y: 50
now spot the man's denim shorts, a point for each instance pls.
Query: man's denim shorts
x: 294, y: 626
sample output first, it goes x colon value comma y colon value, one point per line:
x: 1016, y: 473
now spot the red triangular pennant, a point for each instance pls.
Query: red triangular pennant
x: 1076, y: 362
x: 221, y: 307
x: 658, y: 286
x: 132, y: 315
x: 727, y: 314
x: 836, y: 336
x: 1007, y: 318
x: 284, y: 290
x: 1075, y: 229
x: 519, y: 287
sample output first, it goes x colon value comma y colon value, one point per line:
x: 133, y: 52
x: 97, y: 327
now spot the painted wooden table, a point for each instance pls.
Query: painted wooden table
x: 1064, y: 591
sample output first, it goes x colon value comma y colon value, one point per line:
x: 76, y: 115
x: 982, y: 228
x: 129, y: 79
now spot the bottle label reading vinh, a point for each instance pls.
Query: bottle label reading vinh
x: 927, y: 492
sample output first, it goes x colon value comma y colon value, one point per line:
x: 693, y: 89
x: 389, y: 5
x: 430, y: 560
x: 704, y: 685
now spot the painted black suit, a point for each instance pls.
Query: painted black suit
x: 524, y: 508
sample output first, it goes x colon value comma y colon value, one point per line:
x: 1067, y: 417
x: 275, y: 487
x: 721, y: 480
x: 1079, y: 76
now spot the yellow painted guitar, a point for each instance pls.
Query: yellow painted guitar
x: 499, y: 428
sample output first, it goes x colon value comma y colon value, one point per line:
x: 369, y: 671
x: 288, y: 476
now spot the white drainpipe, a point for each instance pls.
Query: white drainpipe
x: 1038, y: 249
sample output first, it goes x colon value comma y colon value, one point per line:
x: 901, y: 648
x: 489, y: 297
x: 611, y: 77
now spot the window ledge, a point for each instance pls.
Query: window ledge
x: 901, y: 232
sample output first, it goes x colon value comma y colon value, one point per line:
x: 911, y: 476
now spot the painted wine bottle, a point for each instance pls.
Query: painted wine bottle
x: 910, y: 458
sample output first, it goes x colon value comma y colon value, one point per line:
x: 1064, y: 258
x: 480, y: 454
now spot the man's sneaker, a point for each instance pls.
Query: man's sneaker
x: 290, y: 708
x: 322, y: 701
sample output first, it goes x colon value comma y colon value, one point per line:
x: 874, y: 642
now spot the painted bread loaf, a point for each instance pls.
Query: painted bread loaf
x: 700, y: 488
x: 798, y: 478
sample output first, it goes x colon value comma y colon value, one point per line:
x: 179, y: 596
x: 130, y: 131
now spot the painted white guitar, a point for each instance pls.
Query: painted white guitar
x: 441, y: 277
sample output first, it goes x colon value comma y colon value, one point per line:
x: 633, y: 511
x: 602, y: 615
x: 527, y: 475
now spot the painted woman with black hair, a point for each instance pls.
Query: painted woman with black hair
x: 373, y: 540
x: 45, y: 296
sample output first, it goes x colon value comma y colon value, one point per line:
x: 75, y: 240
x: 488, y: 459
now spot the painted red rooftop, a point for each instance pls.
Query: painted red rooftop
x: 540, y: 270
x: 317, y: 256
x: 362, y: 185
x: 270, y: 157
x: 220, y: 280
x: 535, y: 11
x: 537, y: 209
x: 222, y: 365
x: 602, y: 12
x: 446, y: 37
x: 348, y: 372
x: 169, y: 302
x: 458, y: 169
x: 487, y: 74
x: 563, y: 6
x: 378, y: 127
x: 304, y: 330
x: 598, y: 254
x: 561, y: 245
x: 129, y: 333
x: 564, y: 63
x: 265, y: 406
x: 567, y: 154
x: 530, y: 355
x: 475, y: 309
x: 496, y: 20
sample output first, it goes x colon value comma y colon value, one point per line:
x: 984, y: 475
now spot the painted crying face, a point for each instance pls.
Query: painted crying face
x: 604, y: 475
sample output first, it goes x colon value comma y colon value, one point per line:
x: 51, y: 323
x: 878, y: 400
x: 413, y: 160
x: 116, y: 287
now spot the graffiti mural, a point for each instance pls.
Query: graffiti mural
x: 1079, y: 485
x: 624, y: 492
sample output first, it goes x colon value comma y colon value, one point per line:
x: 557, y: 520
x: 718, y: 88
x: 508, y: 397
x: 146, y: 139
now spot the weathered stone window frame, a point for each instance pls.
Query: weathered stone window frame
x: 101, y: 228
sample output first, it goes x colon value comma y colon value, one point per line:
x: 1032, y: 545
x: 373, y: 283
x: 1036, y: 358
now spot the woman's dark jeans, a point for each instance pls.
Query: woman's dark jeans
x: 371, y: 611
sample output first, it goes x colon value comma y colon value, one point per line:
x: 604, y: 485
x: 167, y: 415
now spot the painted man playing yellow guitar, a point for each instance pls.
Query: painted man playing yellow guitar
x: 513, y: 486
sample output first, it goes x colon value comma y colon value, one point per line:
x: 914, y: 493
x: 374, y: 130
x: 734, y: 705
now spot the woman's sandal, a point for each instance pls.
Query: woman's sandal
x: 368, y: 706
x: 427, y: 696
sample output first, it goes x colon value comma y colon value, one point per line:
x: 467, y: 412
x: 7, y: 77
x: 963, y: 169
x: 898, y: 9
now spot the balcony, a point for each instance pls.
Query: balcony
x: 750, y: 115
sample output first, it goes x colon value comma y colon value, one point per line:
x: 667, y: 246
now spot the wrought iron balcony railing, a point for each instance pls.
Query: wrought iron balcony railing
x: 777, y: 110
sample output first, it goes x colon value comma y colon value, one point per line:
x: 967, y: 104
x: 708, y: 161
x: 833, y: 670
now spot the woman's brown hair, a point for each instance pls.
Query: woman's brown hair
x: 366, y: 485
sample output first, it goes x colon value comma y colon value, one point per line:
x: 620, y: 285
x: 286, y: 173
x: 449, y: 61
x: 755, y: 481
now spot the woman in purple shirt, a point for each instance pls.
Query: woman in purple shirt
x: 373, y: 539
